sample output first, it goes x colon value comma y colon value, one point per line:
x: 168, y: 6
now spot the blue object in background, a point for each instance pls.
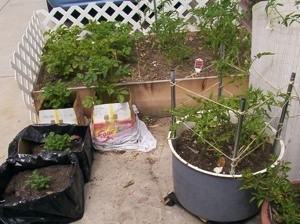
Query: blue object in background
x: 65, y: 4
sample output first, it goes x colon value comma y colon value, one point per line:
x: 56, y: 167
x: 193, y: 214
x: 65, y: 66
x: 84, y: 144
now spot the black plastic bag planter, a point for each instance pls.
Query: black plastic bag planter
x: 35, y: 134
x: 63, y: 206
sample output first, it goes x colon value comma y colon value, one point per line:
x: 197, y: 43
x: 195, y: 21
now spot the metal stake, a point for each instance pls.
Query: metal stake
x: 173, y: 93
x: 155, y: 10
x: 238, y: 135
x: 222, y: 56
x: 173, y: 102
x: 284, y: 110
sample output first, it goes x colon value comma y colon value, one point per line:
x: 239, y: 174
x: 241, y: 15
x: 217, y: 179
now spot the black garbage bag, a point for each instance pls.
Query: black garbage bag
x: 64, y: 206
x: 36, y: 134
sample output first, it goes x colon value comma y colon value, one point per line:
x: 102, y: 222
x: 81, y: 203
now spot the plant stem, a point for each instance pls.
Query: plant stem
x: 238, y: 135
x: 284, y: 110
x: 222, y: 56
x: 173, y: 97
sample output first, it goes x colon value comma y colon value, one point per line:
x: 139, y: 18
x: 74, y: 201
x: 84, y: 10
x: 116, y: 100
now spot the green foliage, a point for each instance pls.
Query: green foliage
x: 111, y: 39
x: 170, y: 34
x: 275, y: 187
x: 112, y: 45
x: 60, y: 53
x: 220, y: 24
x: 217, y: 124
x: 56, y: 96
x: 38, y: 181
x: 57, y: 142
x: 285, y: 19
x: 89, y: 101
x: 96, y: 54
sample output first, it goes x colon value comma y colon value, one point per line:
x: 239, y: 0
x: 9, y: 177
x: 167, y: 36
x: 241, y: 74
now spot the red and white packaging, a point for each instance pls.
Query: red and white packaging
x: 198, y: 65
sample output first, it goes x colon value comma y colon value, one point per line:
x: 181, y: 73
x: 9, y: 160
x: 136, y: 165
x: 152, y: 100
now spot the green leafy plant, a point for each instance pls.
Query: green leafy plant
x: 112, y: 45
x: 89, y: 101
x: 275, y: 187
x: 216, y: 123
x: 57, y: 142
x: 38, y: 181
x: 272, y: 7
x: 171, y: 34
x: 220, y: 24
x: 56, y: 96
x: 61, y: 51
x: 96, y: 55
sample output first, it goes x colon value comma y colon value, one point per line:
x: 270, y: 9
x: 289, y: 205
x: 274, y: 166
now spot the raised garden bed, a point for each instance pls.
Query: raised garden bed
x: 147, y: 94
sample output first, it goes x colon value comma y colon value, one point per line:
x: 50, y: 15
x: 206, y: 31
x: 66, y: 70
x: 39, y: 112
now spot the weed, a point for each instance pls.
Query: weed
x: 57, y: 142
x: 56, y: 96
x: 38, y: 181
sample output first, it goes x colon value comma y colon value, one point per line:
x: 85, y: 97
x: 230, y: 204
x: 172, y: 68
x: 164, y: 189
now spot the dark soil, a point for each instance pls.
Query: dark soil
x: 149, y: 120
x: 150, y: 63
x: 17, y: 190
x: 193, y: 153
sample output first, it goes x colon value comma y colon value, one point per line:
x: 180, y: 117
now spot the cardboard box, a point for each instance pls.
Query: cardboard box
x: 65, y: 115
x: 111, y: 119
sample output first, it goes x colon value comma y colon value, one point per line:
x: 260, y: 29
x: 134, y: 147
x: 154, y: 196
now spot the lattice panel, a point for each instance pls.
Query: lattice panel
x: 26, y: 60
x: 140, y: 15
x: 26, y: 63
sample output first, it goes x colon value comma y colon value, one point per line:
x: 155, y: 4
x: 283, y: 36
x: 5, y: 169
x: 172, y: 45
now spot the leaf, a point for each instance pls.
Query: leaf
x: 120, y: 98
x: 110, y: 91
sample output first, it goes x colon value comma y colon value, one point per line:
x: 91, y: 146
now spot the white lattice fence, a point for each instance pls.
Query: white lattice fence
x: 273, y: 72
x: 26, y: 60
x: 26, y: 63
x: 140, y: 15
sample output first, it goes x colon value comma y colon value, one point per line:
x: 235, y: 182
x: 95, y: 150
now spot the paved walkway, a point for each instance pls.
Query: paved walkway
x: 14, y: 18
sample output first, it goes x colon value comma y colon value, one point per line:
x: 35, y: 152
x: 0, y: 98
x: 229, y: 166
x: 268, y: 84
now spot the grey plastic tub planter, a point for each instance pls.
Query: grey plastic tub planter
x: 211, y: 196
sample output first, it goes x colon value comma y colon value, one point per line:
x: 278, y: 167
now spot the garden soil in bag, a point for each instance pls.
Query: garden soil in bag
x: 117, y: 127
x: 23, y: 144
x: 63, y: 206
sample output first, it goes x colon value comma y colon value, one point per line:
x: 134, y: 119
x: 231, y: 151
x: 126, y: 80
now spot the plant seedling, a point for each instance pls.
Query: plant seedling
x: 171, y: 34
x: 56, y: 142
x: 38, y: 181
x: 56, y: 96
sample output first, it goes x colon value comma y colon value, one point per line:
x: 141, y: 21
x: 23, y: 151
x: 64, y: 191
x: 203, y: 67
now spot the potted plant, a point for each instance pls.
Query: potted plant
x: 278, y: 197
x: 43, y: 189
x: 210, y: 148
x: 55, y: 140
